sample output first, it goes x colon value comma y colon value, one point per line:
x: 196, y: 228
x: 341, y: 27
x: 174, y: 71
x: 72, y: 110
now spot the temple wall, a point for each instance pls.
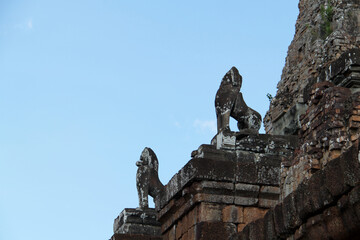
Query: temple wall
x: 327, y: 206
x: 328, y: 128
x: 323, y: 32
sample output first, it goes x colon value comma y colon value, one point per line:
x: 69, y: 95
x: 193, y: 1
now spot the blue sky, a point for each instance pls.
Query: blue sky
x: 86, y: 85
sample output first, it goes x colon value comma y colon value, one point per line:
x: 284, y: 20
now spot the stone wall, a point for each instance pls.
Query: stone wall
x: 137, y: 224
x: 329, y: 127
x: 327, y: 206
x: 219, y: 191
x: 202, y: 212
x: 312, y: 50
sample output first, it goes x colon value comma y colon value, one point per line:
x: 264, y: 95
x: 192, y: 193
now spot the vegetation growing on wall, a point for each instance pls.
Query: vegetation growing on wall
x: 327, y: 14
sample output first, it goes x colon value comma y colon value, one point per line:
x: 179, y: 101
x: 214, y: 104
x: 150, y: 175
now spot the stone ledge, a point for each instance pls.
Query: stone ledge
x: 246, y: 164
x: 256, y: 143
x: 260, y: 170
x: 344, y: 71
x: 137, y: 221
x: 134, y: 237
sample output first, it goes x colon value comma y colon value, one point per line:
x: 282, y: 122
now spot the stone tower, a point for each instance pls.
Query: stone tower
x: 326, y: 31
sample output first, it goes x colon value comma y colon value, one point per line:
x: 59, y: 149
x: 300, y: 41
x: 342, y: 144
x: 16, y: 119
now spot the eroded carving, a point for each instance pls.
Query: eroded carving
x: 229, y: 102
x: 147, y: 178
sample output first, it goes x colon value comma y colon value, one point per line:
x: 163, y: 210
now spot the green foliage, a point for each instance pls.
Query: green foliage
x: 269, y: 96
x: 326, y: 17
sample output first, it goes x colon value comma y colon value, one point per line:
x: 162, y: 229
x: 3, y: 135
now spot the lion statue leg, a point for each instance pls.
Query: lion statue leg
x: 248, y: 119
x: 142, y: 180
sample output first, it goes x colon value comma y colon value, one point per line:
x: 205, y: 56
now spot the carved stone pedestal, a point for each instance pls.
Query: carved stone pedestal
x: 137, y: 224
x: 224, y: 140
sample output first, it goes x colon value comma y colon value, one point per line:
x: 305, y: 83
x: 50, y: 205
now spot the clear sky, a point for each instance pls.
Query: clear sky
x: 86, y: 85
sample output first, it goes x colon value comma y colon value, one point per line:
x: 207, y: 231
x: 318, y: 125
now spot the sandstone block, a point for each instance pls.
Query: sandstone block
x: 335, y: 153
x: 233, y: 214
x: 211, y: 230
x: 354, y: 124
x: 253, y: 213
x: 334, y: 223
x: 209, y: 213
x: 257, y: 229
x: 191, y: 218
x: 191, y: 233
x: 355, y: 118
x: 179, y: 230
x: 215, y: 192
x: 354, y: 137
x: 291, y: 217
x: 269, y: 196
x: 185, y: 236
x: 312, y: 196
x: 246, y: 194
x: 134, y: 237
x: 241, y: 226
x: 246, y: 172
x: 135, y: 221
x: 343, y: 172
x: 269, y: 227
x: 315, y: 228
x: 171, y: 233
x: 279, y: 223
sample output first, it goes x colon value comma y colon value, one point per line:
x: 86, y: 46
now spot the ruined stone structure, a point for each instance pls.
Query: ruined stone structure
x: 326, y: 31
x: 301, y: 180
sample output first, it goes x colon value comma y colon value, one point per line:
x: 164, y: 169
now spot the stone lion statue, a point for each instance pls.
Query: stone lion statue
x: 147, y: 178
x: 229, y: 102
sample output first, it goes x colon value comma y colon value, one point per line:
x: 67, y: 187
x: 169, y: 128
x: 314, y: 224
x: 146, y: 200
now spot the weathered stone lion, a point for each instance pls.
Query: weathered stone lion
x: 229, y: 102
x: 147, y: 178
